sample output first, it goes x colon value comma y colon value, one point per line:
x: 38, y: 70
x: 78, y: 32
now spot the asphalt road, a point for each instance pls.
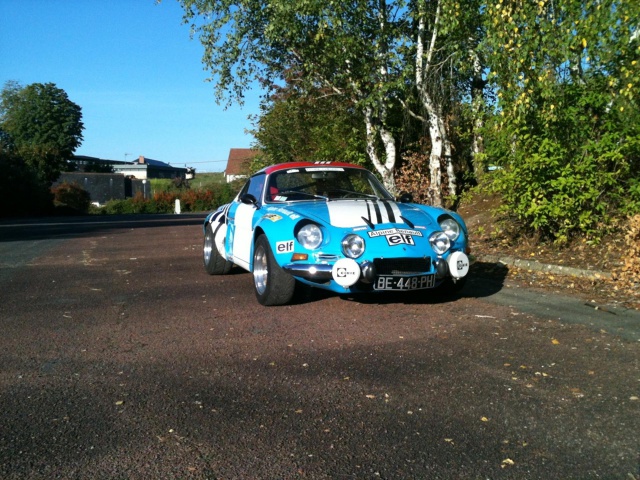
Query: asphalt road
x: 121, y: 358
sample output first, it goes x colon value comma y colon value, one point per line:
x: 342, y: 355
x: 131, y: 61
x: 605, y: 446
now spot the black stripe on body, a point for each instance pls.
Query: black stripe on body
x: 378, y: 212
x: 392, y: 217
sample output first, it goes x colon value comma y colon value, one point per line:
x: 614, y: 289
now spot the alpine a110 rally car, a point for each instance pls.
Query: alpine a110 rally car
x: 333, y: 226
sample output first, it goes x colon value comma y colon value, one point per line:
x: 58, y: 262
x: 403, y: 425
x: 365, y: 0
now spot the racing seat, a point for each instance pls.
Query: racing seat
x: 273, y: 193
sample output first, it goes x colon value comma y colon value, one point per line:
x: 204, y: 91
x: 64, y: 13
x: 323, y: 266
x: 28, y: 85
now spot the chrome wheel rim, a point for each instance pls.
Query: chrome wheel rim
x: 260, y: 269
x: 208, y: 245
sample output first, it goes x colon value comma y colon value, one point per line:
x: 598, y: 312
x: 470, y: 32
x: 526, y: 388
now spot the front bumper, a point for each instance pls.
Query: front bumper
x: 346, y: 272
x: 315, y: 273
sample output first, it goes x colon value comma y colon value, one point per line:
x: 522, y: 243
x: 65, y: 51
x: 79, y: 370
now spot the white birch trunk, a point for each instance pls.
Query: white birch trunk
x: 477, y: 102
x: 386, y: 168
x: 437, y: 136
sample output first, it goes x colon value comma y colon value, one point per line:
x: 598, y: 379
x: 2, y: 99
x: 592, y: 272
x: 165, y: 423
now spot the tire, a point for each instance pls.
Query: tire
x: 214, y: 263
x: 273, y: 286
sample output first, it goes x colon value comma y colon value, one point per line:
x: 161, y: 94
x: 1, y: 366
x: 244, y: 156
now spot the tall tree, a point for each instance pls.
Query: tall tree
x: 293, y: 126
x: 444, y: 67
x: 345, y: 48
x: 42, y: 126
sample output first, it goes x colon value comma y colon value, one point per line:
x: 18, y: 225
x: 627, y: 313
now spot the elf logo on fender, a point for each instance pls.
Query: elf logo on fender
x: 284, y: 247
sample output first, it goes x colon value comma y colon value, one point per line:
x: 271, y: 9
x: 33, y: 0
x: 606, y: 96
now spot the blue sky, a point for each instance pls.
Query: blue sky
x: 135, y: 72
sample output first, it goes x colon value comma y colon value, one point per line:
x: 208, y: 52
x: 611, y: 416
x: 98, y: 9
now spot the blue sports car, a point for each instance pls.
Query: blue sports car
x: 333, y: 226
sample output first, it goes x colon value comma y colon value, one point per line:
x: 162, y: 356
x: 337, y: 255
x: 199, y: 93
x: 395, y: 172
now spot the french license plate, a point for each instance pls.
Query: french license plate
x: 387, y: 282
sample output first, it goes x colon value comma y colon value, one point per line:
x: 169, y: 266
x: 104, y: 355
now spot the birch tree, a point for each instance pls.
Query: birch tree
x: 446, y: 62
x: 344, y: 49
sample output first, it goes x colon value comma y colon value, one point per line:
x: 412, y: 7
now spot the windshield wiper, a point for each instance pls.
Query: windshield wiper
x: 296, y: 192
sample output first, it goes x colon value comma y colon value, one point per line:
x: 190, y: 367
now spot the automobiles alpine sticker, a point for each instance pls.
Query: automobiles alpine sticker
x: 285, y: 212
x: 284, y: 247
x: 351, y: 213
x: 396, y: 236
x: 393, y: 231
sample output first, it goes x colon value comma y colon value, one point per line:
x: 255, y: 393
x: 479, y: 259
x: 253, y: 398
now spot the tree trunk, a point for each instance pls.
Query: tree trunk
x: 435, y: 185
x: 386, y: 168
x: 477, y: 104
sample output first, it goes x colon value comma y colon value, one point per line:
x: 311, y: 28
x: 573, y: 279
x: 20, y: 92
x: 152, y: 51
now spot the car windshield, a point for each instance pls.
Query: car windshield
x: 323, y: 183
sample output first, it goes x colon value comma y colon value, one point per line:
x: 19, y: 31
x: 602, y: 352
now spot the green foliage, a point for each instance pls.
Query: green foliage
x: 294, y: 126
x: 562, y: 110
x: 23, y: 192
x: 567, y: 123
x: 43, y: 126
x: 573, y: 171
x: 71, y: 198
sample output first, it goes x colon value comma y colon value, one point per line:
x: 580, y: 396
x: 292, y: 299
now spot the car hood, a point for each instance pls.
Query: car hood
x: 360, y: 212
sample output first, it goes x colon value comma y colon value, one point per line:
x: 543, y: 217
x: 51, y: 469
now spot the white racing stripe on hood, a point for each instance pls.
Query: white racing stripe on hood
x: 350, y: 213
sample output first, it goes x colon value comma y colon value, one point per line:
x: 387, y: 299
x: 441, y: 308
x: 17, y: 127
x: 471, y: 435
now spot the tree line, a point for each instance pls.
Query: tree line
x: 439, y: 92
x: 40, y: 128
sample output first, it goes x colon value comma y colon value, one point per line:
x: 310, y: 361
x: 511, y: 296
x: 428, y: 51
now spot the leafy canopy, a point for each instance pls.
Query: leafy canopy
x: 41, y: 125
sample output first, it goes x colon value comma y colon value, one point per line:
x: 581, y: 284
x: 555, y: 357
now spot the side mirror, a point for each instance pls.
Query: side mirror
x: 249, y: 199
x: 406, y: 198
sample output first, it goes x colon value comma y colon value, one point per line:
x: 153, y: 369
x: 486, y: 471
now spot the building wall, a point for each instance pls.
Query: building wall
x: 102, y: 187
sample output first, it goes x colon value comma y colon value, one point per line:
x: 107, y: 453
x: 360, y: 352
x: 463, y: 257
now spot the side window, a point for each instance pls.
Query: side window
x: 254, y: 187
x: 244, y: 190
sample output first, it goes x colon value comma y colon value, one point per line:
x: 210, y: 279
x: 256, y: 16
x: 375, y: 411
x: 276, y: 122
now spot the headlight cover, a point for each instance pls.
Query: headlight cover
x: 310, y: 236
x: 440, y: 242
x: 451, y: 228
x: 353, y: 245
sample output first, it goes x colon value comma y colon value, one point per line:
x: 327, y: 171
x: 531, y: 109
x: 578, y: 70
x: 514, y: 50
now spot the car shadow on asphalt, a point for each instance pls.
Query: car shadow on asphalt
x: 485, y: 279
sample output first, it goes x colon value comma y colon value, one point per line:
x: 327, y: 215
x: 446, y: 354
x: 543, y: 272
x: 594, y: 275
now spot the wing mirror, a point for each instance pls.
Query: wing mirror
x: 249, y: 199
x: 406, y: 198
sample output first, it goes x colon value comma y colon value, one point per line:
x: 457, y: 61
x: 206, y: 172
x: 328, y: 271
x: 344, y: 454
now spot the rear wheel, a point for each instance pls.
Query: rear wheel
x: 214, y: 263
x: 273, y: 286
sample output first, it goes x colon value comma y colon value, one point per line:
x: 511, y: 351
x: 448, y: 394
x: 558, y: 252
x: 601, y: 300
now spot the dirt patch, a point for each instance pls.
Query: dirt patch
x: 613, y: 280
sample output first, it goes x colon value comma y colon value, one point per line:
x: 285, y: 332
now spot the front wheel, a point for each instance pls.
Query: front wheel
x: 273, y: 286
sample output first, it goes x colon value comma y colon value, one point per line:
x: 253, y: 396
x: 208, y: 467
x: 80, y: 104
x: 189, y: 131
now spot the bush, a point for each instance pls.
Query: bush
x: 573, y: 171
x: 71, y: 198
x: 164, y: 201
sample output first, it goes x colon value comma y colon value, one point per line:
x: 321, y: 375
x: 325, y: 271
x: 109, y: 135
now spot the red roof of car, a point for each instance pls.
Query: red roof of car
x: 287, y: 166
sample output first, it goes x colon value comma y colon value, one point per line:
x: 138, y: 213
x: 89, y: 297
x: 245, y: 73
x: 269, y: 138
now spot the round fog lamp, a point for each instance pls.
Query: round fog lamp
x: 346, y: 272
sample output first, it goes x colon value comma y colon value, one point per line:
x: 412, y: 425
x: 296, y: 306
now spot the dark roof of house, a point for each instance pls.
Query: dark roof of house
x: 154, y: 163
x: 238, y: 162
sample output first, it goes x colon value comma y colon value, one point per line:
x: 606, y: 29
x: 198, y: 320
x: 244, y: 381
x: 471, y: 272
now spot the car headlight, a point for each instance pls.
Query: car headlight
x: 310, y: 236
x: 451, y: 228
x: 353, y: 246
x: 440, y: 242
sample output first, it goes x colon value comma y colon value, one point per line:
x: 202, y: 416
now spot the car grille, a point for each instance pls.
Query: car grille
x: 402, y: 266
